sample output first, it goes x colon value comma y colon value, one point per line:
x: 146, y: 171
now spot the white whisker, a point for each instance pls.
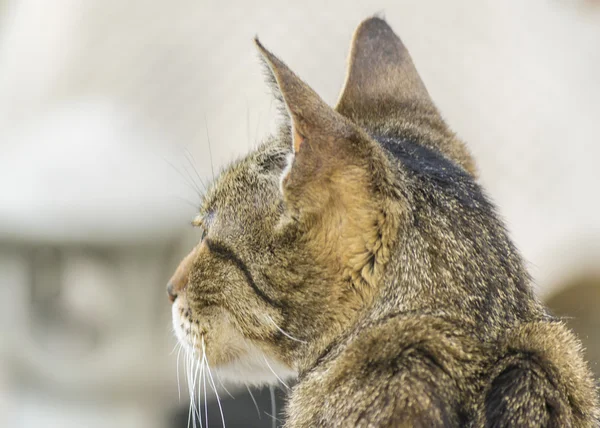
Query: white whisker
x: 273, y: 405
x: 192, y: 393
x: 201, y: 375
x: 275, y: 419
x: 289, y: 336
x: 223, y: 385
x: 205, y: 398
x: 254, y: 401
x: 194, y: 375
x: 192, y: 161
x: 273, y: 371
x: 191, y: 387
x: 188, y: 378
x: 178, y: 382
x: 212, y: 383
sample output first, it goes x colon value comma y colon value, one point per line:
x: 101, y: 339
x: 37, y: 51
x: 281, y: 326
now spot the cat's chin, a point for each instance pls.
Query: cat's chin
x: 234, y: 358
x: 254, y: 367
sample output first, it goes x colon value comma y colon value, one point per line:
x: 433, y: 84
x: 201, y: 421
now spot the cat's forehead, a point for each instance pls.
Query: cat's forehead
x: 247, y: 183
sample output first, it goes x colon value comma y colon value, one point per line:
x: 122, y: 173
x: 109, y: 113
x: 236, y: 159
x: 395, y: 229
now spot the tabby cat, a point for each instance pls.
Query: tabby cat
x: 356, y: 251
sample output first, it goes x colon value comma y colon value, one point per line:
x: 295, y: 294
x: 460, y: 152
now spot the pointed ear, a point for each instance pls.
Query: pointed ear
x: 336, y: 184
x: 380, y: 72
x: 332, y: 157
x: 310, y: 115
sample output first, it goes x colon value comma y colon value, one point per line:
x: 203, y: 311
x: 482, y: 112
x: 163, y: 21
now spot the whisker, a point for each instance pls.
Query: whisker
x: 223, y: 385
x: 253, y: 400
x: 273, y: 371
x: 178, y: 382
x: 289, y: 336
x: 212, y: 383
x: 205, y: 399
x: 197, y: 188
x: 191, y: 386
x: 209, y: 148
x: 196, y: 185
x: 192, y: 161
x: 187, y: 181
x: 274, y: 418
x: 194, y: 374
x: 191, y: 416
x: 273, y: 405
x: 202, y: 374
x: 187, y: 201
x: 199, y: 395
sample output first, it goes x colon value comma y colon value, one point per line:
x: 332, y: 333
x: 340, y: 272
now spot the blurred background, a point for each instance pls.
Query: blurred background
x: 108, y: 110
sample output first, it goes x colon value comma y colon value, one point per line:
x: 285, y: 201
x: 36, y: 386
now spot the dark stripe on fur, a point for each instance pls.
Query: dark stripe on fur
x: 226, y: 253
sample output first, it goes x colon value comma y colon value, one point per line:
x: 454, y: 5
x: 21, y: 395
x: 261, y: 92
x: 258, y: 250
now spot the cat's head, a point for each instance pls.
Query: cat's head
x: 297, y: 235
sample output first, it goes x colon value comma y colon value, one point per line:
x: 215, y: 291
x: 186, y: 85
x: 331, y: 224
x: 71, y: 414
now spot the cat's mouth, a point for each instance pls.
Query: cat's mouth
x: 186, y: 331
x: 199, y: 334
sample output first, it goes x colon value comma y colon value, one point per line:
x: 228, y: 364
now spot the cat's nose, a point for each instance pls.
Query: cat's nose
x: 171, y: 292
x: 179, y: 280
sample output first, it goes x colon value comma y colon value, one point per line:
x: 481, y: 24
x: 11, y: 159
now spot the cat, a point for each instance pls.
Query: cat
x: 356, y: 250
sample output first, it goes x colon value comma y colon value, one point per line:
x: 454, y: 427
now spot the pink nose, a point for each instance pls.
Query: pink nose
x: 179, y: 280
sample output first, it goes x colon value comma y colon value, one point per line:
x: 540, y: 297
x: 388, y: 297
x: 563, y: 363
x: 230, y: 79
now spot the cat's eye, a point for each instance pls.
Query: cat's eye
x: 198, y: 222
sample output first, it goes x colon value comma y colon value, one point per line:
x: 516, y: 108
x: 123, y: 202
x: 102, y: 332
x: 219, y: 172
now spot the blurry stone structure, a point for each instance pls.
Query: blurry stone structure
x: 106, y: 108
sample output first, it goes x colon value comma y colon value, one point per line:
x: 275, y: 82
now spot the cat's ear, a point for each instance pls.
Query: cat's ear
x: 336, y: 183
x: 310, y: 115
x: 380, y: 74
x: 331, y: 155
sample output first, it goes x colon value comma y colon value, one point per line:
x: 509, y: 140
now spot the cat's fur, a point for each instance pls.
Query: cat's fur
x: 356, y: 249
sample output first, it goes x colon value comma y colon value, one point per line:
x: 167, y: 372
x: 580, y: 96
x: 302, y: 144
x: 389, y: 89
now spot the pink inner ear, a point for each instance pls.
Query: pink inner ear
x: 297, y: 140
